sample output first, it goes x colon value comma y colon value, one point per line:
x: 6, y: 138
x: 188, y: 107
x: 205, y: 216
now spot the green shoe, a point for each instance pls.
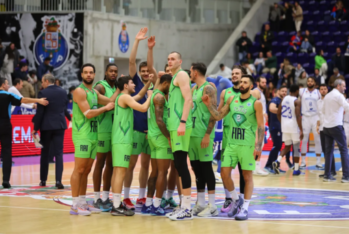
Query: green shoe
x: 172, y: 203
x: 163, y: 204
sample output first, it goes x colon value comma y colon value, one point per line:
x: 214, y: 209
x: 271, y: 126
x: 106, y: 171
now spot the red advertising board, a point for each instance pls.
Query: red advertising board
x: 22, y: 140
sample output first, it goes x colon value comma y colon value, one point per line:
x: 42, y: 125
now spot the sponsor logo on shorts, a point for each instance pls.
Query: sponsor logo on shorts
x: 169, y: 151
x: 178, y: 143
x: 251, y: 164
x: 83, y: 148
x: 135, y: 145
x: 207, y: 155
x: 127, y: 158
x: 101, y: 143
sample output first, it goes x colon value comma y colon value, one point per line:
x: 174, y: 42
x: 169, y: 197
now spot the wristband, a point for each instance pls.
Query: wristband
x: 183, y: 121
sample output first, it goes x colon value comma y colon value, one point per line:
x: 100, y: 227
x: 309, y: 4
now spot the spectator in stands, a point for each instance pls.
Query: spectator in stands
x: 7, y: 65
x: 310, y: 37
x: 275, y: 17
x: 295, y: 43
x: 244, y: 43
x: 259, y: 63
x: 224, y: 71
x: 339, y: 12
x: 21, y: 72
x: 297, y: 15
x: 249, y: 58
x: 33, y: 79
x: 286, y: 73
x: 287, y: 22
x: 43, y: 69
x: 339, y: 60
x: 321, y: 63
x: 302, y: 79
x: 250, y: 68
x: 298, y: 71
x: 346, y: 55
x: 270, y: 92
x: 266, y: 39
x: 319, y: 79
x: 58, y: 82
x: 70, y: 94
x: 270, y: 63
x: 306, y: 46
x: 336, y: 75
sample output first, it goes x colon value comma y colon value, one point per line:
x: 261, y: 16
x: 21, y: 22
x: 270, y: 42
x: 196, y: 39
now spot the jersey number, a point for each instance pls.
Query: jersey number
x: 286, y: 112
x: 93, y: 126
x: 194, y: 122
x: 238, y: 133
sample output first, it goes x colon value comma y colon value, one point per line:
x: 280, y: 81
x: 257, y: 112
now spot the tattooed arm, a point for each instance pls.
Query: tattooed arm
x: 159, y: 103
x: 211, y: 104
x: 260, y: 129
x: 100, y: 88
x: 211, y: 92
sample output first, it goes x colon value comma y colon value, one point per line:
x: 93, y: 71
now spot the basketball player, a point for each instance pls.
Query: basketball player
x: 237, y: 72
x: 289, y: 114
x: 261, y: 86
x: 159, y: 142
x: 167, y: 69
x: 309, y: 97
x: 122, y: 140
x: 85, y: 135
x: 180, y: 128
x: 107, y: 88
x: 246, y: 114
x: 140, y: 142
x: 201, y: 143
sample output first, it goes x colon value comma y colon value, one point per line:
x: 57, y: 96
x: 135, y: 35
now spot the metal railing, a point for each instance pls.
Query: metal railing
x: 191, y: 11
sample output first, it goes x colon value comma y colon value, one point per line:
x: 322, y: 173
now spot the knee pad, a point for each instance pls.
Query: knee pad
x: 296, y: 149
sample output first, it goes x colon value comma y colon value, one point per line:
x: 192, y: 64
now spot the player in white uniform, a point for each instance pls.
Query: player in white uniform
x: 261, y: 86
x: 309, y: 97
x: 289, y: 114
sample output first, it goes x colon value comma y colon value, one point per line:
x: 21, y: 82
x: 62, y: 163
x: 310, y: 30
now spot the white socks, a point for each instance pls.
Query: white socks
x: 157, y: 202
x: 164, y: 194
x: 82, y: 199
x: 75, y: 201
x: 169, y: 194
x: 211, y: 199
x: 303, y: 159
x: 116, y: 199
x: 126, y: 192
x: 105, y: 195
x: 201, y: 199
x: 246, y: 204
x: 227, y: 193
x: 141, y: 193
x: 97, y: 196
x: 296, y: 166
x: 149, y: 201
x: 318, y: 160
x: 279, y: 158
x: 257, y: 164
x: 186, y: 202
x: 234, y: 195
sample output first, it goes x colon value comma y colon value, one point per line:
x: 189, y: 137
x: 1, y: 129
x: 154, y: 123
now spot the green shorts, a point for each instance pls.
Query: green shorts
x: 140, y: 143
x: 121, y: 154
x: 160, y: 149
x: 180, y: 143
x: 239, y: 153
x: 225, y: 137
x: 85, y: 148
x: 104, y: 142
x: 197, y: 153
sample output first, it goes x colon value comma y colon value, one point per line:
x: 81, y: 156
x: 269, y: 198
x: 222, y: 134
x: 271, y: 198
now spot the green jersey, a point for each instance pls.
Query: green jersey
x: 105, y: 120
x: 228, y: 93
x: 243, y: 123
x: 84, y: 128
x: 200, y: 113
x: 153, y: 129
x: 122, y: 132
x: 175, y: 107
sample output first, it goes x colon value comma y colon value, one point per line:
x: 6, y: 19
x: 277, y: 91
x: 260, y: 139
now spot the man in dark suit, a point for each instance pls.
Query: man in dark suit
x: 51, y: 122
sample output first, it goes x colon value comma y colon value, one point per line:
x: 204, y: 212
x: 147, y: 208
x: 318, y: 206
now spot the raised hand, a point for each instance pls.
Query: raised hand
x: 151, y: 78
x: 151, y: 42
x: 141, y: 34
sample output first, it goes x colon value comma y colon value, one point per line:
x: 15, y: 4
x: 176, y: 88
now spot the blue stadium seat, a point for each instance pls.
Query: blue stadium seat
x: 326, y: 36
x: 255, y: 47
x: 309, y: 67
x: 323, y: 6
x: 284, y: 46
x: 292, y: 57
x: 343, y: 26
x: 306, y: 15
x: 331, y: 47
x: 282, y: 36
x: 311, y: 57
x: 280, y: 57
x: 292, y: 33
x: 342, y: 45
x: 346, y: 78
x: 257, y: 38
x: 312, y: 4
x: 320, y: 46
x: 337, y: 37
x: 327, y: 55
x: 310, y: 26
x: 275, y: 47
x: 255, y: 55
x: 316, y: 16
x: 302, y: 58
x: 316, y: 35
x: 332, y: 26
x: 321, y: 26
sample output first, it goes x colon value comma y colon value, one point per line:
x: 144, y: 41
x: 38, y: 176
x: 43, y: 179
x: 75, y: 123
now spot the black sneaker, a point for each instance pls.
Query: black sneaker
x: 345, y: 179
x: 329, y: 179
x: 121, y: 211
x: 6, y: 185
x: 332, y: 174
x: 59, y: 185
x: 42, y: 184
x: 290, y: 165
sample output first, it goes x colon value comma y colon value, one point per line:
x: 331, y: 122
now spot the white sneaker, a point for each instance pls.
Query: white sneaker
x: 174, y: 211
x: 340, y: 169
x: 302, y: 166
x: 260, y: 172
x: 183, y: 214
x: 79, y: 210
x: 197, y: 209
x: 209, y: 211
x: 91, y: 208
x: 218, y: 178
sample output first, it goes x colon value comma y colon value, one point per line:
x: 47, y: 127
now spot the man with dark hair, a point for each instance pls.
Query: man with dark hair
x: 140, y: 142
x: 267, y: 37
x: 289, y: 114
x: 224, y: 71
x: 85, y: 136
x: 6, y: 101
x: 15, y: 89
x: 243, y: 43
x: 167, y: 70
x: 339, y: 60
x: 159, y: 142
x: 201, y: 143
x: 21, y: 72
x: 270, y: 63
x: 122, y: 141
x: 246, y: 114
x: 106, y: 87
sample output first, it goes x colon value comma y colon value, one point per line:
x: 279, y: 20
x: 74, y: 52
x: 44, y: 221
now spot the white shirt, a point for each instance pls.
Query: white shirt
x: 333, y: 108
x: 263, y: 101
x: 226, y: 73
x: 14, y: 90
x: 346, y: 115
x: 320, y: 104
x: 258, y: 61
x: 288, y: 115
x: 309, y: 101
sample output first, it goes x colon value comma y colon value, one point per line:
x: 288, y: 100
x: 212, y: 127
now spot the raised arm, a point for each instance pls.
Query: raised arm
x: 159, y: 103
x: 80, y: 98
x: 127, y: 100
x: 298, y: 112
x: 212, y: 107
x: 143, y: 91
x: 260, y: 129
x: 132, y: 68
x: 150, y: 58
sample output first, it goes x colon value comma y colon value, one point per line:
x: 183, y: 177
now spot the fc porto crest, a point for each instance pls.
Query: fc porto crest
x: 51, y: 43
x: 124, y: 41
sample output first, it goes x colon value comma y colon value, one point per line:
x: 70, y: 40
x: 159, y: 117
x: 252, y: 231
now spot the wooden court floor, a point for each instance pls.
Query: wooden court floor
x: 38, y: 213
